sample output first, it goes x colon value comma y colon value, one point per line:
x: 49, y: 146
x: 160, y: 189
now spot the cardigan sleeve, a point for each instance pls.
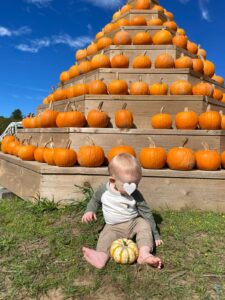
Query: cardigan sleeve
x: 95, y: 201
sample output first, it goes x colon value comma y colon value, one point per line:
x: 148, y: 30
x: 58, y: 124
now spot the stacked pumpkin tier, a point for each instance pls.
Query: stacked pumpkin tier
x: 139, y: 64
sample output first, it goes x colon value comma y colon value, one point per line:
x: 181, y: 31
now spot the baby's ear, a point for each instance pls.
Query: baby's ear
x: 112, y: 179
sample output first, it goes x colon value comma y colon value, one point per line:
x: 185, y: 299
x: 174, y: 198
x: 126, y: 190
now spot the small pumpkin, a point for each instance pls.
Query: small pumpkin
x: 138, y: 21
x: 162, y: 37
x: 183, y: 62
x: 48, y: 117
x: 117, y: 14
x: 192, y: 47
x: 223, y: 99
x: 198, y: 65
x: 77, y: 90
x: 171, y: 25
x: 49, y: 152
x: 72, y: 118
x: 97, y: 118
x: 143, y: 4
x: 127, y: 7
x: 164, y: 61
x: 180, y: 41
x: 122, y: 38
x: 6, y: 140
x: 120, y: 149
x: 142, y: 38
x: 29, y: 121
x: 26, y: 152
x: 218, y: 79
x: 139, y: 88
x: 203, y: 88
x: 92, y: 49
x: 209, y: 68
x: 100, y: 61
x: 181, y: 87
x: 161, y: 120
x: 120, y: 61
x: 99, y: 35
x: 110, y: 27
x: 85, y: 67
x: 39, y: 154
x: 181, y: 158
x: 118, y: 87
x: 73, y: 71
x: 90, y: 155
x: 222, y: 120
x: 181, y: 31
x: 124, y: 118
x: 210, y: 120
x: 159, y: 88
x: 11, y: 145
x: 142, y: 62
x: 81, y: 54
x: 64, y: 76
x: 201, y: 52
x: 155, y: 22
x: 124, y: 251
x: 65, y: 157
x: 208, y: 160
x: 217, y: 94
x: 169, y: 15
x: 123, y: 22
x: 152, y: 157
x: 59, y: 94
x: 104, y: 42
x: 97, y: 87
x: 186, y: 119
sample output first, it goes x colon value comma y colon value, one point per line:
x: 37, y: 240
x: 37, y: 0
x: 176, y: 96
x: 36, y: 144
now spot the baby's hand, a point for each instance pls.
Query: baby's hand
x: 158, y: 242
x: 89, y: 216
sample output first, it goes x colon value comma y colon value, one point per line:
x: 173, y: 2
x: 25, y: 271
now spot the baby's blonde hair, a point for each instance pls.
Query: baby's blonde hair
x: 125, y: 164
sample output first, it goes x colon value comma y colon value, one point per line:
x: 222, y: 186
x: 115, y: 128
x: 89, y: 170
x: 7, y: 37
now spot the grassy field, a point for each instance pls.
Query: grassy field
x: 41, y: 258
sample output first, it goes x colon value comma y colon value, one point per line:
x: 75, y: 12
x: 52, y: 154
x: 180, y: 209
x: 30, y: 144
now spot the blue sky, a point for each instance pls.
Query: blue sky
x: 39, y: 38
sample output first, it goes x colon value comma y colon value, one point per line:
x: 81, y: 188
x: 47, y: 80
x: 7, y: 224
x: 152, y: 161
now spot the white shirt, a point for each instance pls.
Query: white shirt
x: 117, y: 208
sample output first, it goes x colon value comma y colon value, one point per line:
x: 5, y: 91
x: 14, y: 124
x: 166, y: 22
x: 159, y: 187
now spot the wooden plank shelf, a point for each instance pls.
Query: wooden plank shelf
x: 163, y: 189
x: 137, y: 138
x: 142, y: 107
x: 148, y: 75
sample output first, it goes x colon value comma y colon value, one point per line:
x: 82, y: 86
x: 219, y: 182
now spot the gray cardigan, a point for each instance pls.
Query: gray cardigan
x: 142, y: 207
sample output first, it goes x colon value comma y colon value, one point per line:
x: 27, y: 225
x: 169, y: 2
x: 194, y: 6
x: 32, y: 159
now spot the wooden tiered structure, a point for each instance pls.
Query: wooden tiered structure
x: 165, y: 189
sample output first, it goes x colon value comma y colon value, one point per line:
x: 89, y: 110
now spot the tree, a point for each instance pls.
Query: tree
x: 16, y: 115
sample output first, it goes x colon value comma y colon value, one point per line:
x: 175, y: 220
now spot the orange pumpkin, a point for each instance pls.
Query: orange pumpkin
x: 169, y: 15
x: 97, y: 87
x: 11, y: 145
x: 162, y: 37
x: 84, y: 67
x: 192, y: 47
x: 39, y: 154
x: 104, y: 42
x: 138, y: 21
x: 120, y: 61
x: 29, y: 121
x: 139, y: 88
x: 217, y: 94
x: 210, y: 120
x: 209, y: 68
x: 72, y: 118
x: 223, y: 99
x: 201, y: 52
x: 208, y: 160
x: 65, y: 157
x: 143, y: 4
x: 26, y: 152
x: 158, y: 8
x: 181, y: 87
x: 81, y: 54
x: 90, y: 156
x: 117, y: 14
x: 218, y: 79
x: 142, y: 62
x: 64, y: 76
x: 118, y: 87
x: 159, y: 88
x: 142, y: 38
x: 124, y: 118
x: 123, y: 22
x: 203, y: 88
x: 122, y: 38
x: 161, y: 120
x: 181, y: 31
x: 97, y: 118
x: 45, y: 101
x: 110, y: 27
x: 48, y: 117
x: 186, y: 120
x: 59, y: 94
x: 99, y: 35
x: 92, y: 49
x: 171, y: 25
x: 155, y: 22
x: 152, y: 157
x: 198, y: 65
x: 127, y: 7
x: 181, y: 158
x: 164, y: 61
x: 100, y: 61
x: 183, y: 62
x: 180, y: 41
x: 6, y: 140
x: 49, y: 153
x: 77, y: 90
x: 222, y: 120
x: 120, y: 149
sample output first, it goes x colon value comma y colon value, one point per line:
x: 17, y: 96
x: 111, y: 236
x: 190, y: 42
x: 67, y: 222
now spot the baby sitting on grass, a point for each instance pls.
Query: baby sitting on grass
x: 125, y: 212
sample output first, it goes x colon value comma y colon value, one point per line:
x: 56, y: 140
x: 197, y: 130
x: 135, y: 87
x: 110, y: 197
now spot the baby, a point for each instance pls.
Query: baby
x: 125, y: 212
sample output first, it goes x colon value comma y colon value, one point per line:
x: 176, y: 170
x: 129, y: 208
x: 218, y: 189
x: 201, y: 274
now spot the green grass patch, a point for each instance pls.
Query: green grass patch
x: 40, y: 254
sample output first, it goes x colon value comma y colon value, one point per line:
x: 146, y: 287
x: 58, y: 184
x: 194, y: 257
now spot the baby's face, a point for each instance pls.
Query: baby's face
x: 119, y: 182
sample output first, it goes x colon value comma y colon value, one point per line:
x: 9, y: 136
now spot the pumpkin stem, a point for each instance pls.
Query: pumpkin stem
x: 221, y: 113
x: 152, y: 143
x: 68, y: 144
x: 50, y: 142
x: 162, y: 109
x: 117, y: 75
x: 100, y: 106
x: 124, y: 243
x: 124, y: 106
x: 161, y: 80
x: 145, y: 52
x: 186, y: 109
x: 208, y: 108
x: 91, y: 142
x: 184, y: 142
x: 205, y: 145
x: 140, y: 78
x: 67, y: 106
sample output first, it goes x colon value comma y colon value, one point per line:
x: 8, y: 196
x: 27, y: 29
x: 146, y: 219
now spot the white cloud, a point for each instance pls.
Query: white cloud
x: 9, y: 32
x: 39, y: 3
x: 204, y: 10
x: 106, y: 3
x: 34, y: 46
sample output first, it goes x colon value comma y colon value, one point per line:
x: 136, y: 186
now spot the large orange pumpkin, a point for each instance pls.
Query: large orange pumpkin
x: 207, y: 160
x: 122, y: 38
x: 104, y: 42
x: 90, y: 156
x: 49, y: 152
x: 162, y: 37
x: 209, y: 68
x: 85, y: 67
x: 11, y: 145
x: 97, y: 118
x: 152, y: 157
x: 143, y: 4
x: 59, y: 94
x: 218, y: 79
x: 120, y: 149
x: 180, y: 41
x: 198, y: 65
x: 142, y: 62
x: 120, y: 61
x: 161, y: 120
x: 65, y: 157
x: 203, y: 88
x: 48, y: 117
x: 181, y: 87
x: 138, y: 21
x: 139, y: 88
x: 124, y: 118
x: 97, y: 87
x: 210, y: 120
x: 181, y: 158
x: 26, y: 152
x: 142, y: 38
x: 118, y: 87
x: 100, y: 61
x: 159, y: 88
x: 64, y: 76
x: 72, y: 118
x: 186, y: 120
x: 164, y: 61
x: 6, y: 140
x: 192, y: 47
x: 29, y: 121
x: 183, y: 62
x: 76, y: 90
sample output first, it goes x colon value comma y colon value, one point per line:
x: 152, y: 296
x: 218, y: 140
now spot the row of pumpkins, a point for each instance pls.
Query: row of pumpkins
x: 142, y: 61
x: 96, y: 118
x: 178, y: 158
x: 121, y: 87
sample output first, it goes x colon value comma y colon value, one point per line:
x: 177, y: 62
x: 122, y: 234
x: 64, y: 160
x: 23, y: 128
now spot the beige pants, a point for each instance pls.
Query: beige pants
x: 137, y: 226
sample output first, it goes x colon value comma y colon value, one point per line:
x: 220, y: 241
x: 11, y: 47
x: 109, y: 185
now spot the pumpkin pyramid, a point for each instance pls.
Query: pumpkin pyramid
x: 141, y: 79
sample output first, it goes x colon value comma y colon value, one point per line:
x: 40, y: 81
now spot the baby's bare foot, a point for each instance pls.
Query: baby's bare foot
x: 95, y: 258
x: 151, y: 260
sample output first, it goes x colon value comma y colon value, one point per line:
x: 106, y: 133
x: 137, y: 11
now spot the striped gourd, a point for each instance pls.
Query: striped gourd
x: 124, y: 251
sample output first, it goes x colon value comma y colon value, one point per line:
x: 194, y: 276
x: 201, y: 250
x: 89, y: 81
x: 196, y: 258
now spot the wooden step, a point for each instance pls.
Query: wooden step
x: 152, y: 51
x: 142, y: 107
x: 147, y: 14
x: 163, y: 189
x: 137, y: 138
x: 148, y: 75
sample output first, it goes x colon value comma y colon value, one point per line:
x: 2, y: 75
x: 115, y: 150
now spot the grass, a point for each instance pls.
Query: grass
x: 40, y: 255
